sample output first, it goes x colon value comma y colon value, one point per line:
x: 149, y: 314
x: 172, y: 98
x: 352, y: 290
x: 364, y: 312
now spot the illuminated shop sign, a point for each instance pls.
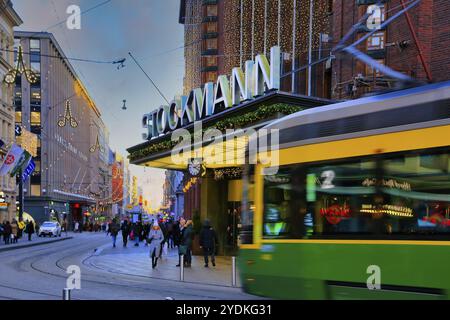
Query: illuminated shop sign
x: 335, y: 213
x: 3, y: 203
x: 391, y: 210
x: 260, y: 76
x: 391, y: 183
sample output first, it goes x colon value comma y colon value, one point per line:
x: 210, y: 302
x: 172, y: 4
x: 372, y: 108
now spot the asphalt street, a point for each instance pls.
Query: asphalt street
x: 40, y: 273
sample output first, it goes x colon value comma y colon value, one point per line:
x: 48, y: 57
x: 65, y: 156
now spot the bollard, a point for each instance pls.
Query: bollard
x: 233, y: 271
x: 66, y: 294
x: 182, y: 267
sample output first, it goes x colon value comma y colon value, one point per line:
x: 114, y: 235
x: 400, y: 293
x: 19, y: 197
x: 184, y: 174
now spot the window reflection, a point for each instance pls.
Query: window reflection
x: 396, y: 197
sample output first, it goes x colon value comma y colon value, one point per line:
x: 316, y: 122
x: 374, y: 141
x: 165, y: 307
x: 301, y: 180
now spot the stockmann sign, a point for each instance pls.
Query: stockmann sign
x: 260, y: 76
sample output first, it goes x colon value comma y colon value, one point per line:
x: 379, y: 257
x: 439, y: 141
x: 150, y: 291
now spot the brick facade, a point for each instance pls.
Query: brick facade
x: 431, y: 25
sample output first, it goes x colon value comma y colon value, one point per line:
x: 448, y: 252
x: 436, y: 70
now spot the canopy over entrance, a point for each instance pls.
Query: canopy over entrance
x: 222, y: 139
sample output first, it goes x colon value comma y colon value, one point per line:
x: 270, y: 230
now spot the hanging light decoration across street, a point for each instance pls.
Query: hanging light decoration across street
x: 31, y: 76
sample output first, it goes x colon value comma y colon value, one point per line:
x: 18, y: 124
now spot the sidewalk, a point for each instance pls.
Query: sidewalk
x: 136, y: 261
x: 36, y: 241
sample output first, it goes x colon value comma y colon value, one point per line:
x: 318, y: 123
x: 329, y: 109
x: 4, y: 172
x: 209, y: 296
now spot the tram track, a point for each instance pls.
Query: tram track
x: 58, y: 264
x: 45, y: 261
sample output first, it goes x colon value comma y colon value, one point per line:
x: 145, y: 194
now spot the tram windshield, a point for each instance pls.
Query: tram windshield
x: 396, y: 196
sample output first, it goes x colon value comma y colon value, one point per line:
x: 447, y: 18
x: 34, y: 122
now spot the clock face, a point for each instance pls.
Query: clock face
x: 195, y: 167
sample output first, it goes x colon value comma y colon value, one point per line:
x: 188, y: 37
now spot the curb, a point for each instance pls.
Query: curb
x: 10, y: 247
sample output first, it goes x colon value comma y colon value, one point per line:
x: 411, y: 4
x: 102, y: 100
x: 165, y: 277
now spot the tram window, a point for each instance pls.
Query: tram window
x: 398, y: 197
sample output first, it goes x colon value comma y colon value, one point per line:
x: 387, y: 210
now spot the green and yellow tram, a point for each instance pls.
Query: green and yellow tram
x: 359, y: 206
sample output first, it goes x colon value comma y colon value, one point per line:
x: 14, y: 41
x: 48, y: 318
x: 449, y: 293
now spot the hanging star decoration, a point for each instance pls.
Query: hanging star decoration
x: 67, y: 118
x: 31, y: 76
x: 96, y: 146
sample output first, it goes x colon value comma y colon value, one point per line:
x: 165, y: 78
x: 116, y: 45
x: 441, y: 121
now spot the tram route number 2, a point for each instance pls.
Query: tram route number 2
x: 328, y: 178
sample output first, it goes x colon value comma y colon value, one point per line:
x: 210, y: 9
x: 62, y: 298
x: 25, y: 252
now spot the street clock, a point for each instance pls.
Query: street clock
x: 196, y: 168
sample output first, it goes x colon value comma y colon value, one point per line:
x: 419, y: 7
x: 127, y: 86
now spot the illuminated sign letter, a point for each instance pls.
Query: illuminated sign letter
x: 195, y: 101
x: 161, y: 123
x: 267, y: 74
x: 222, y: 98
x: 205, y: 108
x: 241, y: 84
x: 173, y: 118
x: 188, y: 114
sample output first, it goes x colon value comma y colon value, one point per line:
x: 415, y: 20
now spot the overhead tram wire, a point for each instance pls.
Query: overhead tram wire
x: 148, y: 77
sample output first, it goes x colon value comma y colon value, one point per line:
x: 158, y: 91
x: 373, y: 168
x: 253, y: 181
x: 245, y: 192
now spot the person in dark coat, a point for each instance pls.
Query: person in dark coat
x: 126, y: 229
x: 176, y: 233
x: 169, y: 227
x: 29, y: 229
x: 7, y: 230
x: 137, y: 231
x: 208, y: 242
x: 163, y: 227
x: 146, y: 230
x: 186, y: 241
x: 115, y: 227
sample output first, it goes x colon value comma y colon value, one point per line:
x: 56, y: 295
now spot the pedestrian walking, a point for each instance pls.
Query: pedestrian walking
x: 176, y: 234
x: 146, y: 230
x: 181, y: 248
x: 126, y: 229
x: 185, y: 247
x: 188, y: 235
x: 77, y: 226
x: 170, y: 238
x: 29, y: 229
x: 114, y: 229
x: 64, y: 226
x: 7, y: 230
x: 165, y: 235
x: 137, y: 231
x: 208, y: 242
x: 155, y: 239
x: 14, y: 231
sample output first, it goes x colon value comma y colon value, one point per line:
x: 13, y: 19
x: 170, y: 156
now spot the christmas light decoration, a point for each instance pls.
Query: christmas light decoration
x: 67, y: 118
x: 228, y: 173
x: 30, y: 75
x: 97, y: 146
x: 240, y: 121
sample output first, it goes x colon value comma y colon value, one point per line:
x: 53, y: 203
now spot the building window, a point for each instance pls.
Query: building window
x: 35, y: 190
x: 35, y: 118
x: 211, y: 11
x: 211, y: 77
x: 35, y: 96
x: 36, y: 67
x: 35, y: 50
x: 369, y: 69
x: 19, y: 117
x: 211, y: 27
x: 211, y: 61
x: 376, y: 41
x: 18, y: 97
x: 211, y: 44
x: 16, y: 48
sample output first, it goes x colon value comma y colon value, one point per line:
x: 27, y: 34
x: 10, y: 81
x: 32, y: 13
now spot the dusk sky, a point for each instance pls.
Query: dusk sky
x: 147, y: 28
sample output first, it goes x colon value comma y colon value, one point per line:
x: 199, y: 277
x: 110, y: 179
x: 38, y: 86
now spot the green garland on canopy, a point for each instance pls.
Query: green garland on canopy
x: 240, y: 121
